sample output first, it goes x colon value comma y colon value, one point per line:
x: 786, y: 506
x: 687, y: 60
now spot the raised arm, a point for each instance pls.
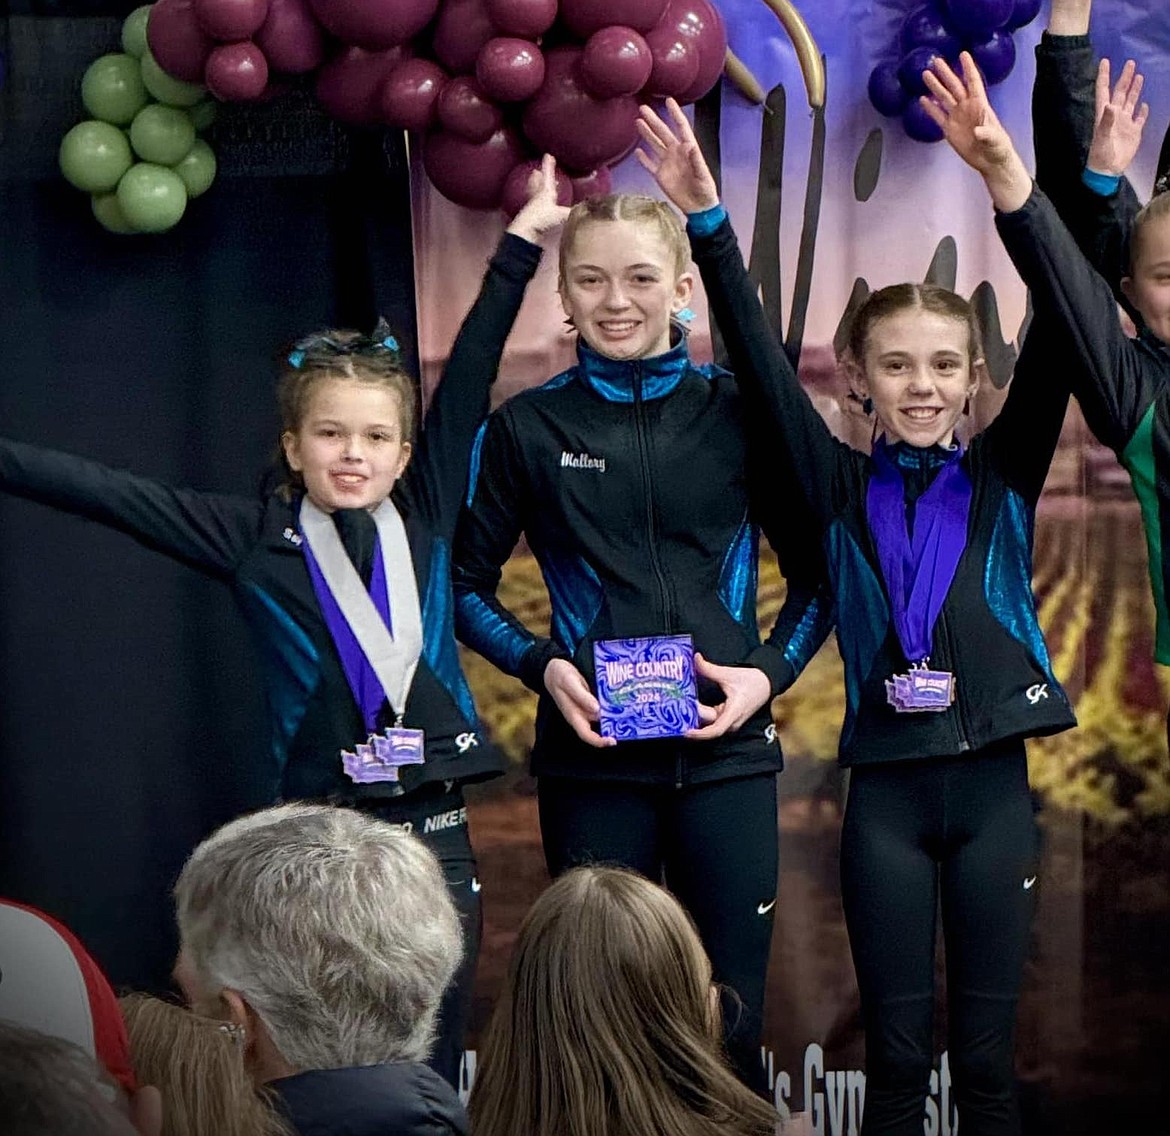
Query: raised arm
x: 437, y: 477
x: 205, y: 531
x: 762, y: 368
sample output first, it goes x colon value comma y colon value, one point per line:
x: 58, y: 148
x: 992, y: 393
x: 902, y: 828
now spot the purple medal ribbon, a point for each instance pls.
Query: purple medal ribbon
x: 918, y: 571
x: 367, y: 690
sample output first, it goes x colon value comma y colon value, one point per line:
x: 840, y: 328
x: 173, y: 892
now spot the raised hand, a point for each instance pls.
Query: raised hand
x: 961, y: 108
x: 541, y: 213
x: 745, y: 690
x: 575, y: 701
x: 1120, y: 120
x: 673, y: 157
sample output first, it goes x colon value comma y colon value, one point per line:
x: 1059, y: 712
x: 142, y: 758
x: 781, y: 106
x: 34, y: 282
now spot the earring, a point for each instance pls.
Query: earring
x: 867, y: 406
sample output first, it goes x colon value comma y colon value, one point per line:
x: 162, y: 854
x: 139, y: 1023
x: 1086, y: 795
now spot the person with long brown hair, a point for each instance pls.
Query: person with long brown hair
x: 608, y: 1024
x: 198, y: 1064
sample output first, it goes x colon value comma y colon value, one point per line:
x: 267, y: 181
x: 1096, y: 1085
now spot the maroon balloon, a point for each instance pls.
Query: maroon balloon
x: 375, y: 24
x: 291, y: 38
x: 565, y: 120
x: 177, y: 42
x: 526, y: 18
x: 675, y: 63
x: 466, y: 111
x: 616, y: 61
x: 584, y: 17
x: 410, y: 93
x: 596, y: 184
x: 231, y: 20
x: 515, y: 193
x: 463, y: 27
x: 470, y: 173
x: 236, y: 72
x: 510, y: 69
x: 700, y: 20
x: 349, y: 86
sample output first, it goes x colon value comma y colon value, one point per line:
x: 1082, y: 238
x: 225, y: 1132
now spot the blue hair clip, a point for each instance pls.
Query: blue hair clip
x: 296, y: 358
x: 390, y: 343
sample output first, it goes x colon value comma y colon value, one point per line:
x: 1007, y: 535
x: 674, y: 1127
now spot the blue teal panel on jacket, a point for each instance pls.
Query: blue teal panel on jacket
x: 812, y: 630
x: 863, y: 616
x: 575, y: 594
x: 476, y: 457
x: 290, y: 664
x: 483, y: 629
x: 438, y: 614
x: 739, y: 576
x: 1007, y: 578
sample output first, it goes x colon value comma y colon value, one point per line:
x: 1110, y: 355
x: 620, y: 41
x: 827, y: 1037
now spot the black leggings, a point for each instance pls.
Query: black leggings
x: 438, y: 816
x: 962, y: 829
x: 715, y: 847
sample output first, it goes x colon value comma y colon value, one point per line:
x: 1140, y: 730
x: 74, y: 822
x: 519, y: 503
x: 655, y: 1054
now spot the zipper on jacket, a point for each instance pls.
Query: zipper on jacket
x: 668, y: 614
x: 960, y: 705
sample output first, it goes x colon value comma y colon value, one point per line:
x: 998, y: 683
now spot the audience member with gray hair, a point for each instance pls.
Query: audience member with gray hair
x: 327, y: 937
x: 51, y: 1087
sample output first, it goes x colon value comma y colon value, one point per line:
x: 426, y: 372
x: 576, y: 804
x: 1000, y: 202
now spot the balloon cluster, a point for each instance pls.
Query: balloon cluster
x: 945, y: 28
x: 492, y: 83
x: 138, y: 112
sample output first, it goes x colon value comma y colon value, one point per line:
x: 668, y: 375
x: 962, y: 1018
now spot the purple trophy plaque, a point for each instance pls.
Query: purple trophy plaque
x: 646, y: 687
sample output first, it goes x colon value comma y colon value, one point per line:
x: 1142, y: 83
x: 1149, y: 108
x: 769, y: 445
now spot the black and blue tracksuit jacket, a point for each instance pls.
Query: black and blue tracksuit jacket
x: 253, y: 546
x: 630, y: 481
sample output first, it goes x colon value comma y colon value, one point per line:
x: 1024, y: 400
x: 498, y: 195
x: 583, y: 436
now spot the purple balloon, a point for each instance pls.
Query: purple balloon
x: 349, y: 86
x: 596, y: 184
x: 466, y: 112
x: 463, y: 27
x: 291, y: 38
x: 996, y: 57
x: 919, y: 125
x: 375, y: 24
x: 926, y: 27
x: 177, y: 42
x: 886, y: 92
x: 515, y: 194
x: 700, y: 21
x: 231, y: 20
x: 616, y: 61
x: 410, y: 93
x: 911, y: 67
x: 525, y: 18
x: 470, y: 173
x: 1023, y: 12
x: 564, y: 120
x: 977, y: 19
x: 510, y: 69
x: 675, y: 63
x: 584, y: 17
x: 236, y: 72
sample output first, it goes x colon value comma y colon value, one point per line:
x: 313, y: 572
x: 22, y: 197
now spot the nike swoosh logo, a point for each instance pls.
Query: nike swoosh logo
x: 475, y: 884
x: 764, y: 908
x: 1029, y: 882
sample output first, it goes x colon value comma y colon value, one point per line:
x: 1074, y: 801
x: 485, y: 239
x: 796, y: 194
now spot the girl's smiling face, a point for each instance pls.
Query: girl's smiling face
x: 348, y: 448
x: 917, y: 369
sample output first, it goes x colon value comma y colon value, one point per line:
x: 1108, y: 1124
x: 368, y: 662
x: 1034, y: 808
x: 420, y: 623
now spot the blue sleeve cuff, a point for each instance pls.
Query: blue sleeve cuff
x: 704, y: 223
x: 1105, y: 185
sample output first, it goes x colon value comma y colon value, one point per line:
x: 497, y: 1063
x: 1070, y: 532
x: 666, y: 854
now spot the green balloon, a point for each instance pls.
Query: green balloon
x: 94, y: 155
x: 162, y: 134
x: 165, y: 88
x: 112, y: 89
x: 197, y: 169
x: 134, y: 32
x: 109, y: 213
x: 203, y: 114
x: 152, y: 197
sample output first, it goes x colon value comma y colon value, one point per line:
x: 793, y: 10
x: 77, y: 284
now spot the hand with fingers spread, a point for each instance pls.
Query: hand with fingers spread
x: 541, y: 213
x: 959, y: 105
x: 745, y: 690
x: 673, y: 157
x: 575, y: 701
x: 1120, y: 120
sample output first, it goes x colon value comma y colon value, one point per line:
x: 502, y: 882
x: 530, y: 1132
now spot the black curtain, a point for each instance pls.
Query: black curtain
x: 131, y: 718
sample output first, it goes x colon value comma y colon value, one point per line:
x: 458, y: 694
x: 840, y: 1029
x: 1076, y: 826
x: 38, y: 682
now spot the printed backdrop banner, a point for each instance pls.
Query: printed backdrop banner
x: 876, y: 207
